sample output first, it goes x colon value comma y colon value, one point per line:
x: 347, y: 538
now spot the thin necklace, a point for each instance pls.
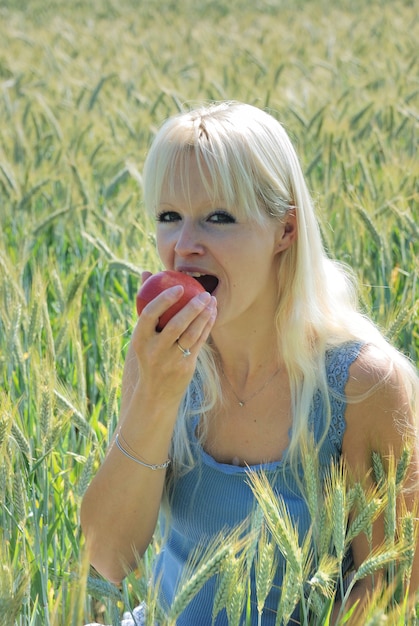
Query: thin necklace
x: 244, y: 402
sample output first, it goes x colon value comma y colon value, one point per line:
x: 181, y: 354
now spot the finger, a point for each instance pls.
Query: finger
x: 188, y: 316
x: 144, y: 276
x: 195, y: 335
x: 155, y: 308
x: 206, y: 331
x: 209, y: 325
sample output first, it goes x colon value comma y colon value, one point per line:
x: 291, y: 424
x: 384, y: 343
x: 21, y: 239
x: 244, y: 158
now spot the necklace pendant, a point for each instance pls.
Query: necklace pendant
x: 241, y: 403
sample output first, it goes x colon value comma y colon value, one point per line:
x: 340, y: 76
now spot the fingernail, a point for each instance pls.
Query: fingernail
x: 176, y: 290
x: 204, y: 297
x: 212, y: 305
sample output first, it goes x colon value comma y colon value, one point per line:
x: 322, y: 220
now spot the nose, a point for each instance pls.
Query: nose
x: 189, y: 241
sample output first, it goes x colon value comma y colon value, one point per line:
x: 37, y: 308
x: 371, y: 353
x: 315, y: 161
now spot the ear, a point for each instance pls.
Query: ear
x: 287, y: 232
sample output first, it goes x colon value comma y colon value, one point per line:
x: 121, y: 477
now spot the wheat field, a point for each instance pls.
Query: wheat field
x: 83, y: 86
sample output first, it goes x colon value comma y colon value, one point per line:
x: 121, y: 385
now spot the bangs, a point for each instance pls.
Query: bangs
x: 223, y: 162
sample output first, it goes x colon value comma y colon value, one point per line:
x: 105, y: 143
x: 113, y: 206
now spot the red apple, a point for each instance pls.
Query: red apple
x: 161, y: 281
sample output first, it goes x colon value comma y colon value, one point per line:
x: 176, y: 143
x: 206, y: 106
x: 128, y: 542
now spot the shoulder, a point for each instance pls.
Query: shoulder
x: 373, y: 360
x: 376, y: 381
x: 378, y: 416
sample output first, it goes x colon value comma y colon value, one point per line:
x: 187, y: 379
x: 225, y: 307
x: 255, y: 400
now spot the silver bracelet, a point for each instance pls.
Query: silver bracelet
x: 136, y: 460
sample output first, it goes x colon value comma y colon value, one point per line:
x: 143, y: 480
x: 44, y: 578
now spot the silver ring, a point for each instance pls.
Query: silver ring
x: 184, y: 352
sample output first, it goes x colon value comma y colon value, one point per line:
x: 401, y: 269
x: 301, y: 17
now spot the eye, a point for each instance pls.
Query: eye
x: 221, y: 217
x: 168, y: 216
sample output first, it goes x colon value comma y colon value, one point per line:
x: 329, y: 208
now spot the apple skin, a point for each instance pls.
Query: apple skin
x: 157, y: 283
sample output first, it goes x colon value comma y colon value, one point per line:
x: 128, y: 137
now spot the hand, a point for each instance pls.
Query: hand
x: 163, y: 369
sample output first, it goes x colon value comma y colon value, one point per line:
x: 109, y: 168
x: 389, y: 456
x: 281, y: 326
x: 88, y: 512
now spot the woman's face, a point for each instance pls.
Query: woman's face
x: 234, y: 257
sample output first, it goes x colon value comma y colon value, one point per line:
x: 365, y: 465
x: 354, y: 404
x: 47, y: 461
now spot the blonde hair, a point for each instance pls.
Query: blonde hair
x: 252, y: 165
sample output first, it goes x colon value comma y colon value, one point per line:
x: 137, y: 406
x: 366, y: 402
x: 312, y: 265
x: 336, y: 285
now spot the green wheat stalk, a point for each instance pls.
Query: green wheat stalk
x: 203, y: 565
x: 265, y: 569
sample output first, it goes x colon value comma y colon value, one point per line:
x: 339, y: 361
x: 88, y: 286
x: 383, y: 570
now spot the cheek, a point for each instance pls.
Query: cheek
x: 164, y: 246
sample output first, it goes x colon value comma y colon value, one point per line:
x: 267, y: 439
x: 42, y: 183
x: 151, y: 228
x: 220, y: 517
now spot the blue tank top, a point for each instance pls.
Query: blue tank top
x: 215, y: 497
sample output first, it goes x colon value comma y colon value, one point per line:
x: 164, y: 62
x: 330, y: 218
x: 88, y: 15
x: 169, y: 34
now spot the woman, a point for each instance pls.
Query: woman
x: 274, y: 352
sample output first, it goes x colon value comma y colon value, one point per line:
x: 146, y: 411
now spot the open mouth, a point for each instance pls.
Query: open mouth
x: 208, y: 281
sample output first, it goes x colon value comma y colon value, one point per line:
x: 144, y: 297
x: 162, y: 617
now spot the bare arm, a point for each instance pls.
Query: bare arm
x: 120, y: 508
x: 382, y: 422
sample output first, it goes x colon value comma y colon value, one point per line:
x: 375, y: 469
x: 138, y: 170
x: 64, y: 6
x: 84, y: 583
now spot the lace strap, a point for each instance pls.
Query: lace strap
x: 338, y: 362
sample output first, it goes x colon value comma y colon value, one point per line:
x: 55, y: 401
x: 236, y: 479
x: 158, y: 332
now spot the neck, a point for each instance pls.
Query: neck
x: 246, y: 361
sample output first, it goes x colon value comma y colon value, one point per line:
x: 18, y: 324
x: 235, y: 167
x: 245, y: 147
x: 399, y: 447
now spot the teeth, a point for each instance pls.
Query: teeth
x: 194, y: 274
